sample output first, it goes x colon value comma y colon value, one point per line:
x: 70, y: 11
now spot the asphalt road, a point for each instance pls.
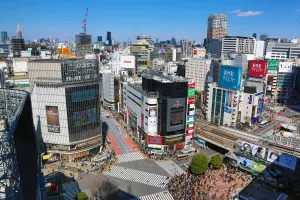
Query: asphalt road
x: 268, y: 127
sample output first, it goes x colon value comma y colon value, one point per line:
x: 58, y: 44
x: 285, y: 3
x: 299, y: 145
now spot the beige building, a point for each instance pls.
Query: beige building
x: 199, y: 53
x: 217, y: 26
x: 140, y: 49
x: 198, y: 69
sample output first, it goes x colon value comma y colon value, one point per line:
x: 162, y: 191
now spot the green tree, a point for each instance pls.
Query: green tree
x: 197, y: 103
x: 82, y: 196
x: 216, y: 161
x: 199, y: 164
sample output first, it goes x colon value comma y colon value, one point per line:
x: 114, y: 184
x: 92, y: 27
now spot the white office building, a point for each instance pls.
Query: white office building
x: 259, y: 49
x: 108, y: 95
x: 237, y: 44
x: 284, y: 50
x: 198, y: 69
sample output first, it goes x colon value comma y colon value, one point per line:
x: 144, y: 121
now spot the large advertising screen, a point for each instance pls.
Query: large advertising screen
x: 176, y: 114
x: 252, y: 149
x: 84, y: 95
x: 230, y: 77
x: 52, y: 119
x: 250, y: 164
x: 282, y: 159
x: 128, y: 62
x: 154, y: 140
x: 273, y: 65
x: 85, y: 117
x: 258, y: 68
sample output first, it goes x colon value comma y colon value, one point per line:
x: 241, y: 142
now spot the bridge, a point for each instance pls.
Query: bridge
x: 227, y: 138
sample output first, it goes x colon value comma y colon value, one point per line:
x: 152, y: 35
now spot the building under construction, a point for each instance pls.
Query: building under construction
x: 18, y: 151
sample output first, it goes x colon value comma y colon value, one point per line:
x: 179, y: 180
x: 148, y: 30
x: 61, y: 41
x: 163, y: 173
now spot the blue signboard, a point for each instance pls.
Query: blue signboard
x: 84, y: 95
x: 230, y: 77
x: 227, y: 110
x: 250, y: 99
x: 260, y: 93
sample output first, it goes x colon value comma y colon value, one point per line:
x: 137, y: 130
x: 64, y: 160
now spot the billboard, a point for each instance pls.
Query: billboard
x: 128, y: 62
x: 65, y: 50
x: 258, y: 68
x: 250, y: 99
x: 191, y: 84
x: 230, y: 77
x: 152, y: 111
x: 191, y: 101
x: 176, y: 114
x: 191, y: 92
x: 282, y: 159
x: 228, y: 102
x: 156, y: 140
x: 195, y: 51
x: 250, y: 164
x: 52, y: 119
x: 273, y: 65
x: 84, y: 95
x: 286, y: 67
x: 252, y: 149
x: 85, y: 117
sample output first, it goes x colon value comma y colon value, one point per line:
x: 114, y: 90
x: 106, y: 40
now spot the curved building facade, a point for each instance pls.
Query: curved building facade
x: 66, y: 105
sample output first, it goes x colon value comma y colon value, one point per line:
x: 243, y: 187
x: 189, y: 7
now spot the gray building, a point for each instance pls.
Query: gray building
x: 108, y: 95
x: 213, y: 47
x: 287, y: 50
x: 84, y: 45
x: 66, y: 105
x: 263, y: 36
x: 237, y: 44
x: 187, y: 48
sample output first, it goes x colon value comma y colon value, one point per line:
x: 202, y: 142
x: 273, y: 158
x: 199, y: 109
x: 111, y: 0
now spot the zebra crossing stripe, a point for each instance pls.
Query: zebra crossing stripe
x: 165, y: 195
x: 130, y: 157
x: 137, y: 176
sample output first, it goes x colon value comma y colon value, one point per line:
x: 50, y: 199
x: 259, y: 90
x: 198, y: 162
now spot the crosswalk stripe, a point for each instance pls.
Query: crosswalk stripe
x: 130, y: 157
x: 137, y: 176
x: 165, y: 195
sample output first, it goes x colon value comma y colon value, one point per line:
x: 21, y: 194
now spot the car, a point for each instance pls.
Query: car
x: 118, y: 127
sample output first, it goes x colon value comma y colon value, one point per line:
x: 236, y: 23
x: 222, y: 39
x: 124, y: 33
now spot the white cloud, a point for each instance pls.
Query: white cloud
x: 249, y: 13
x: 297, y: 10
x: 234, y: 12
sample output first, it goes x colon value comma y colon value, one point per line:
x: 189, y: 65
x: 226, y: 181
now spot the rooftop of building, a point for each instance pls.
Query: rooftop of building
x: 240, y: 37
x: 19, y: 77
x: 164, y: 78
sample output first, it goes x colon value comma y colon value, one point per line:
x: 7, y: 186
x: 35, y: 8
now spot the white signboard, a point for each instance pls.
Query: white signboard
x: 253, y: 149
x: 128, y: 62
x: 285, y: 67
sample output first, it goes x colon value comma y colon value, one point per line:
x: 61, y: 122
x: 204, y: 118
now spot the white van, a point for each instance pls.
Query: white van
x: 188, y: 151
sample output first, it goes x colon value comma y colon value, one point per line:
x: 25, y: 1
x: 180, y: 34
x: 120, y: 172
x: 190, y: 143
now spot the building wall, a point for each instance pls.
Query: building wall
x: 20, y: 66
x: 249, y: 106
x: 133, y: 105
x: 259, y: 49
x: 238, y: 45
x: 197, y: 69
x: 108, y: 89
x: 217, y: 26
x: 42, y: 97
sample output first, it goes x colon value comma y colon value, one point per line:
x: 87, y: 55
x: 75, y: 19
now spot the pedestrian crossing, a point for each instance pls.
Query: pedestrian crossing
x: 130, y: 157
x: 165, y: 195
x: 138, y: 176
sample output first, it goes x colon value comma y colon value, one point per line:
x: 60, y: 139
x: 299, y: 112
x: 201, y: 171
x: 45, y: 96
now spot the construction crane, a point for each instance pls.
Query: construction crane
x: 84, y: 21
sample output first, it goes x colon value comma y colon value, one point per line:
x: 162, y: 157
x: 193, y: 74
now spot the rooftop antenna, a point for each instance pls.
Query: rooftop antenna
x: 84, y: 21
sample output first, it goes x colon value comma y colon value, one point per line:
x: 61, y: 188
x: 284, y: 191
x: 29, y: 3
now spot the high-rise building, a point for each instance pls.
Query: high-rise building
x: 66, y: 105
x: 84, y: 44
x: 148, y: 38
x: 217, y: 26
x: 108, y: 38
x: 19, y: 32
x: 140, y: 49
x: 17, y: 45
x: 4, y: 36
x: 99, y: 39
x: 50, y: 39
x: 186, y: 48
x: 254, y: 35
x: 263, y: 36
x: 213, y: 47
x: 174, y: 42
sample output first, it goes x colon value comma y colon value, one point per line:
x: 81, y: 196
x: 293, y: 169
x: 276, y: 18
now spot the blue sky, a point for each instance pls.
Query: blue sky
x: 185, y: 19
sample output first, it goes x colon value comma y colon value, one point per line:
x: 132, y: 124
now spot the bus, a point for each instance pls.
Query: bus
x: 182, y: 157
x: 263, y: 123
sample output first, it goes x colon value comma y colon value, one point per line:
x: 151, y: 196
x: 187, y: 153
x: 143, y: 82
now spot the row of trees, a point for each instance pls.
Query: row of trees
x: 200, y: 163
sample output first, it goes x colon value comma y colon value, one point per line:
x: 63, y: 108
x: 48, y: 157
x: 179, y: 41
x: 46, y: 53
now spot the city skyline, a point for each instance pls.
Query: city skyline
x: 128, y: 18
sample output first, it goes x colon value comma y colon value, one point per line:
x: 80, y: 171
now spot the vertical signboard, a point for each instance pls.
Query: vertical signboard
x: 190, y: 112
x: 52, y: 119
x: 142, y: 112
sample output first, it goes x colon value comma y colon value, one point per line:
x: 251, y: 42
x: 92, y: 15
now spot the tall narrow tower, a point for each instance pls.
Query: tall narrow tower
x: 19, y: 32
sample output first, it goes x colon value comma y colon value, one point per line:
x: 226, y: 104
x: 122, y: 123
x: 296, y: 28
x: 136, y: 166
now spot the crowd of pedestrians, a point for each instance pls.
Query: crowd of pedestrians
x: 224, y: 183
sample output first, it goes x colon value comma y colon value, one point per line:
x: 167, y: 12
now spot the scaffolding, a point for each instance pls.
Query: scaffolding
x: 11, y: 105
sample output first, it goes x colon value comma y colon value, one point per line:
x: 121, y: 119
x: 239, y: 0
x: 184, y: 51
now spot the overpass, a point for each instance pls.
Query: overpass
x: 227, y: 138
